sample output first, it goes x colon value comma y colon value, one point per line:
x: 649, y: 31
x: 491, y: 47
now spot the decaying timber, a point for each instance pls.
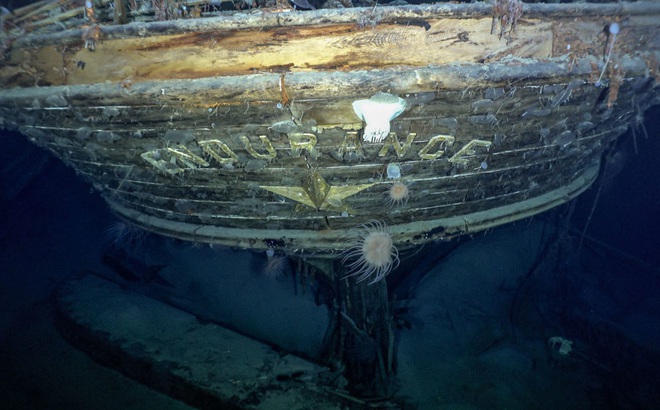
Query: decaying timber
x: 284, y: 129
x: 241, y: 130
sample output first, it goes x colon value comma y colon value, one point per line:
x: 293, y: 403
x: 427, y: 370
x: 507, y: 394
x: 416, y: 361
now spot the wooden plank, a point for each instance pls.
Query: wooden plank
x: 330, y: 243
x: 315, y: 48
x: 364, y: 16
x: 156, y: 351
x: 223, y: 48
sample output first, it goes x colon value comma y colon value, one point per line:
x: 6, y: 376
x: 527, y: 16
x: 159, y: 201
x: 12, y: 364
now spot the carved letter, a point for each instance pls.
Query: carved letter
x: 443, y: 140
x: 352, y: 145
x: 215, y: 148
x: 463, y: 156
x: 393, y: 142
x: 300, y: 141
x: 168, y: 159
x: 266, y: 143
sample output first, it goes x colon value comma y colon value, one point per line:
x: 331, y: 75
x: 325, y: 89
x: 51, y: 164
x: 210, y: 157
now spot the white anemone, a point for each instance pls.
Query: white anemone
x: 377, y: 112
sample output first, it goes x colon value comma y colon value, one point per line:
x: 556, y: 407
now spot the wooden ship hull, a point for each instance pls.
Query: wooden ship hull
x: 305, y: 132
x: 286, y: 129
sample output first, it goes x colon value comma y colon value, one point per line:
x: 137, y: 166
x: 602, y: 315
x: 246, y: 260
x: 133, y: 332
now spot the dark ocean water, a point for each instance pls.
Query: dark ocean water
x: 626, y: 214
x: 53, y: 225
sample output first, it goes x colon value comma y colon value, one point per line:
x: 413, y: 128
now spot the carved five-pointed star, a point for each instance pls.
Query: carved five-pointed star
x: 315, y: 192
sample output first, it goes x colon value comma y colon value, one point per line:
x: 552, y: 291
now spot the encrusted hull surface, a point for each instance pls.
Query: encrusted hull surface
x: 253, y: 131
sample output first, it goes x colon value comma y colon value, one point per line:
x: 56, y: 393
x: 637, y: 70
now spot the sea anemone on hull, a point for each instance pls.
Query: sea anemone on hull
x: 373, y: 253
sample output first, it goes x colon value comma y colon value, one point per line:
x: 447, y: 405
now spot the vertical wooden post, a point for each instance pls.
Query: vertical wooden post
x: 362, y: 335
x: 121, y: 16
